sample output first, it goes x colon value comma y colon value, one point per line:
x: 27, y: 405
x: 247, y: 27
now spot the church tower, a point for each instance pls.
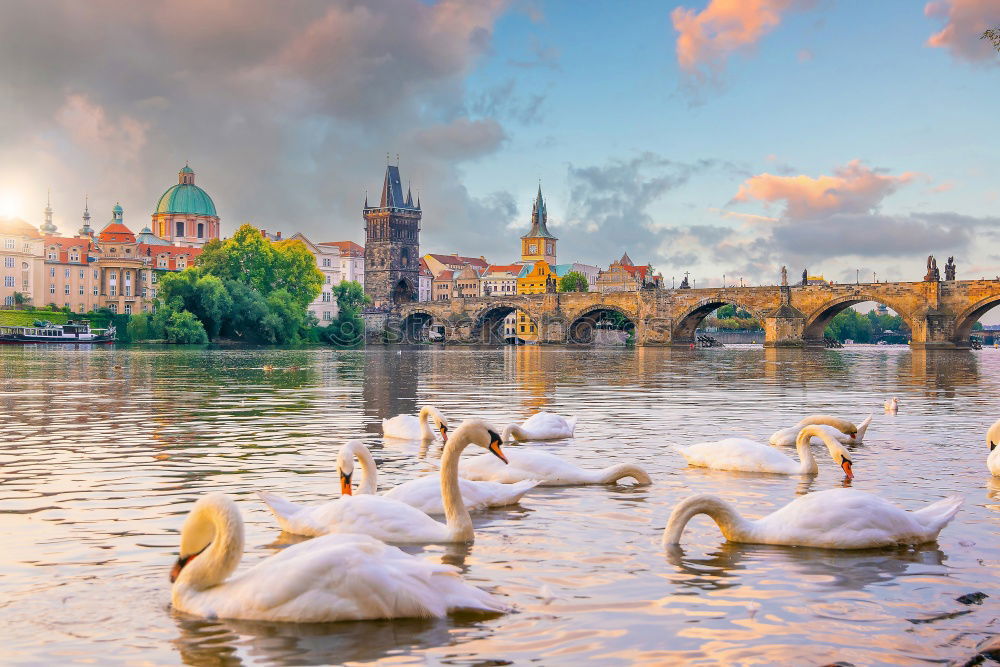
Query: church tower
x: 392, y: 244
x: 48, y: 228
x: 538, y: 243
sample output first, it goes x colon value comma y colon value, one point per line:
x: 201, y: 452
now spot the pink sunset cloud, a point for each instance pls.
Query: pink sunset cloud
x: 966, y: 21
x: 853, y: 188
x: 705, y: 39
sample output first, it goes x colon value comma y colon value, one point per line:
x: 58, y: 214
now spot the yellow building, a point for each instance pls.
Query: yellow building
x: 538, y: 244
x: 537, y: 278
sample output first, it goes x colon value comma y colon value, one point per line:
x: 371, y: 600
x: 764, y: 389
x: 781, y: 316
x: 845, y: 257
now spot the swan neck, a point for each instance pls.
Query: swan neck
x: 222, y: 556
x: 806, y: 458
x: 425, y: 429
x: 733, y: 526
x: 369, y: 471
x: 456, y: 514
x: 513, y: 432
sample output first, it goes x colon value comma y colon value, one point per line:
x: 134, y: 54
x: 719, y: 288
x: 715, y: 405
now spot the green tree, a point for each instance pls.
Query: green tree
x: 184, y: 328
x: 849, y: 324
x: 20, y: 298
x: 294, y: 270
x: 574, y: 281
x: 993, y: 36
x: 350, y: 294
x: 138, y: 327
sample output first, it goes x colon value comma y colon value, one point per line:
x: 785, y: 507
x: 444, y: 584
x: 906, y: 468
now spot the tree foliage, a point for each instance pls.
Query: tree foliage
x: 870, y: 327
x: 992, y: 35
x: 348, y: 330
x: 574, y: 281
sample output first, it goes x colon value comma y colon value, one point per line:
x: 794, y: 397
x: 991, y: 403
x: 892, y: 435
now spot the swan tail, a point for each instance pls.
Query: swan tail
x: 521, y: 488
x: 283, y: 510
x: 571, y: 422
x: 623, y: 470
x: 936, y: 516
x: 460, y: 595
x: 862, y: 428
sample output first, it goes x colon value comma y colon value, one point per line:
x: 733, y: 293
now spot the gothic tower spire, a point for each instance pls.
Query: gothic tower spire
x: 48, y: 227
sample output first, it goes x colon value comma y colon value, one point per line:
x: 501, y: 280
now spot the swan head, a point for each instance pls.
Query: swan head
x: 479, y: 432
x: 199, y: 529
x: 840, y: 454
x: 345, y: 464
x: 439, y: 420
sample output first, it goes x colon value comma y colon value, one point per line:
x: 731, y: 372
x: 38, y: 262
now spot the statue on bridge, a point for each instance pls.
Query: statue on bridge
x: 805, y: 277
x: 933, y: 274
x: 949, y: 269
x: 684, y: 283
x: 784, y: 276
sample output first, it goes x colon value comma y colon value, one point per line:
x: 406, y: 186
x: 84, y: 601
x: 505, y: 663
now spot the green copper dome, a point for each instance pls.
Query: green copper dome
x: 186, y: 197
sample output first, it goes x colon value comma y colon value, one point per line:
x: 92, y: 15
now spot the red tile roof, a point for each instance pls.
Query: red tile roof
x: 66, y: 244
x: 457, y: 260
x: 116, y: 232
x: 349, y: 248
x: 445, y: 275
x: 154, y: 252
x: 424, y: 269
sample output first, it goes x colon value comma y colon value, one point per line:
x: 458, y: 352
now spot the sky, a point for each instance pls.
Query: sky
x: 725, y: 138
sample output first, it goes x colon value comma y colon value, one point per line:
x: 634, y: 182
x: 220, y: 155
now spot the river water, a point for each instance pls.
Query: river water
x: 104, y: 451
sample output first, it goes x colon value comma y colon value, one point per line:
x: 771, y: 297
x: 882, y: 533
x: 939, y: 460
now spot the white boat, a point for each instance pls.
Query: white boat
x: 46, y: 332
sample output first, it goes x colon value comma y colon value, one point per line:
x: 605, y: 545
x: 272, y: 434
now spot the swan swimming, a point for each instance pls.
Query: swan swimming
x: 525, y: 463
x: 749, y: 456
x: 332, y: 578
x: 408, y: 427
x: 891, y: 405
x: 831, y: 519
x: 993, y: 442
x: 541, y: 426
x: 844, y: 432
x: 424, y: 493
x: 388, y: 519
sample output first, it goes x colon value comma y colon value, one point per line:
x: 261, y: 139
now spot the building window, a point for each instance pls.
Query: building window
x: 179, y: 227
x: 24, y: 265
x: 113, y: 307
x: 66, y: 288
x: 128, y: 289
x: 201, y: 230
x: 52, y: 288
x: 326, y: 261
x: 128, y: 308
x: 81, y: 289
x: 8, y: 243
x: 8, y: 300
x: 8, y: 281
x: 114, y: 290
x: 75, y: 257
x: 327, y: 316
x: 52, y: 272
x: 95, y: 274
x: 9, y: 262
x: 82, y: 274
x: 66, y: 274
x: 114, y: 275
x: 95, y: 290
x: 144, y: 292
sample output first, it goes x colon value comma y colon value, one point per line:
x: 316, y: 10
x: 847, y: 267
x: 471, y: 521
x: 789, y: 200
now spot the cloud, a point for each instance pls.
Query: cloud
x: 706, y: 39
x: 285, y: 110
x: 854, y: 188
x: 965, y: 22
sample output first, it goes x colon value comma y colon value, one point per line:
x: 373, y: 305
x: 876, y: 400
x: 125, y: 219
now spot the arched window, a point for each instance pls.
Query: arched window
x: 201, y: 230
x: 404, y: 257
x: 179, y: 227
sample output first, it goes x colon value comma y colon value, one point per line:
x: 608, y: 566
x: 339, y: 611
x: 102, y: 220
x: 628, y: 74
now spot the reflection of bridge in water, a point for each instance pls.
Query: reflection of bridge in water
x: 940, y: 314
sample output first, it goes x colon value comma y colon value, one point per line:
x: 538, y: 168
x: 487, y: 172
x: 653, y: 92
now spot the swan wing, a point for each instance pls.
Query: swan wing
x: 401, y: 426
x: 341, y: 577
x: 525, y: 464
x: 548, y: 426
x: 739, y: 454
x: 843, y: 519
x: 785, y: 437
x: 424, y: 493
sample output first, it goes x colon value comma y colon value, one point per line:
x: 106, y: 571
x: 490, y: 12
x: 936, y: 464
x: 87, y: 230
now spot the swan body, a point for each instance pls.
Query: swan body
x: 548, y: 469
x: 385, y: 518
x: 786, y: 436
x: 541, y: 426
x: 424, y: 493
x: 408, y: 427
x: 891, y: 406
x: 993, y: 442
x: 831, y: 519
x: 749, y: 456
x: 333, y: 578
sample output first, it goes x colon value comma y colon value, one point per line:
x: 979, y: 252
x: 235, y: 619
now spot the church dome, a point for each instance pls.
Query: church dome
x: 186, y: 197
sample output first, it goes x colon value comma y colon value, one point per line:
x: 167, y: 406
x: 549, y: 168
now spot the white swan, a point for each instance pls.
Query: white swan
x: 333, y: 578
x: 387, y: 519
x: 891, y: 406
x: 750, y: 456
x: 993, y: 441
x: 831, y: 519
x: 408, y: 427
x: 424, y: 493
x: 541, y: 426
x: 854, y: 435
x: 525, y: 463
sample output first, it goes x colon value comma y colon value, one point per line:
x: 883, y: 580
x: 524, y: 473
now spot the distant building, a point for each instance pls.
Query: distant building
x: 442, y: 285
x: 324, y: 308
x: 500, y: 279
x: 539, y: 244
x: 185, y: 213
x: 589, y: 271
x: 537, y: 278
x: 624, y: 276
x: 426, y: 280
x: 352, y: 260
x: 21, y: 247
x: 454, y: 262
x: 392, y: 244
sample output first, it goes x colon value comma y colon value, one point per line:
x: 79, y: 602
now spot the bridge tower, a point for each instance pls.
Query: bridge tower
x: 539, y: 244
x: 392, y: 244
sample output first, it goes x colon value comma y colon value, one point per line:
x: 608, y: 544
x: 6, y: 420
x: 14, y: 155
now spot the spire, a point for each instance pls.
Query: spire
x: 85, y: 230
x: 392, y: 189
x: 366, y: 199
x: 48, y: 227
x: 409, y: 196
x: 418, y: 200
x: 539, y: 218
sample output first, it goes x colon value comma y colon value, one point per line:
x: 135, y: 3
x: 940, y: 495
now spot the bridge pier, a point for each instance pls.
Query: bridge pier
x: 784, y: 328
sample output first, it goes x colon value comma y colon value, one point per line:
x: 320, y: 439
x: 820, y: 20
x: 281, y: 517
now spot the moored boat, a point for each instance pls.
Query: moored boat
x: 46, y: 332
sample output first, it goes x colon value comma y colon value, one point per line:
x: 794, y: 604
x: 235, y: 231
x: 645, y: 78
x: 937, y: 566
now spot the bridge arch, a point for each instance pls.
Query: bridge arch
x: 416, y: 324
x: 490, y: 326
x: 690, y: 320
x: 817, y: 320
x: 584, y: 325
x: 968, y: 317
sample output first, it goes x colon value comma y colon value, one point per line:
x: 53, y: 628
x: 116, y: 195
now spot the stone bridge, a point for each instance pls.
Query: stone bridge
x: 940, y: 314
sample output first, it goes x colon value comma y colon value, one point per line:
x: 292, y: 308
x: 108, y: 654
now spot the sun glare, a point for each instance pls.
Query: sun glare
x: 10, y: 204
